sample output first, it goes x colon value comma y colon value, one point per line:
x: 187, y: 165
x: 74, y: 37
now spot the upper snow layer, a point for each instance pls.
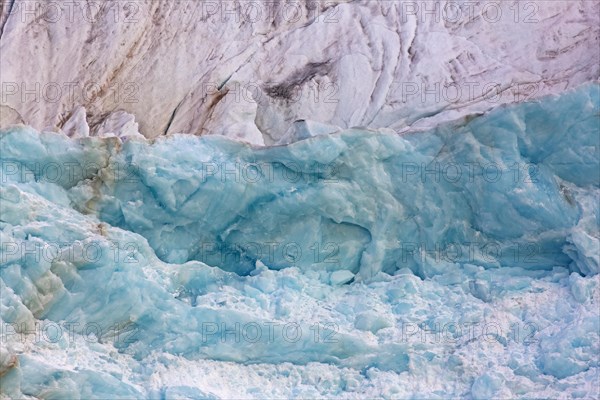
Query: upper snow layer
x: 250, y: 69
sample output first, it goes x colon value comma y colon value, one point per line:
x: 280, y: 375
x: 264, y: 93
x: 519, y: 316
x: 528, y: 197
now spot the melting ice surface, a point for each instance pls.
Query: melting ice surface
x: 460, y: 262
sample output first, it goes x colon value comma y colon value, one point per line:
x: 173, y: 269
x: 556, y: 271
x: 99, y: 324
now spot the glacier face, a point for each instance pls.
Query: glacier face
x: 458, y: 262
x: 357, y: 201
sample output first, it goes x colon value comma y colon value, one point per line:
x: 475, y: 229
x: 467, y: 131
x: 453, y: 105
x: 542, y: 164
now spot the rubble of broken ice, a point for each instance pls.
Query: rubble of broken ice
x: 459, y: 262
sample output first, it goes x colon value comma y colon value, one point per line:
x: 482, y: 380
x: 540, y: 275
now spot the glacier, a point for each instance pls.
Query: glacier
x: 250, y: 69
x: 457, y: 262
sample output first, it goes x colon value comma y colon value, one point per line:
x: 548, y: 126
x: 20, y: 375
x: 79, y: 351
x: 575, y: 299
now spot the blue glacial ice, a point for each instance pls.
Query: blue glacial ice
x: 458, y: 262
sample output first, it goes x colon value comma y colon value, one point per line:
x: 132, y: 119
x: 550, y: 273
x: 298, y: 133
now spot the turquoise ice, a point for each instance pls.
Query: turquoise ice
x: 348, y: 265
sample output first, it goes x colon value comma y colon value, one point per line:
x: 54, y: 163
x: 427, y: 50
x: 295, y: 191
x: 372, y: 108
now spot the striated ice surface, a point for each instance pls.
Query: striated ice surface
x: 253, y: 69
x: 458, y: 262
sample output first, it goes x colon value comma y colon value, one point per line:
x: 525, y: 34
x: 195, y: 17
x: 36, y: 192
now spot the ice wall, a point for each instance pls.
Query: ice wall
x: 488, y: 191
x: 461, y: 262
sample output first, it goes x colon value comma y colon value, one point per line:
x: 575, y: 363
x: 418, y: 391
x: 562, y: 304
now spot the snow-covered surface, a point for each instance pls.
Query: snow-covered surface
x: 250, y: 69
x: 104, y: 246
